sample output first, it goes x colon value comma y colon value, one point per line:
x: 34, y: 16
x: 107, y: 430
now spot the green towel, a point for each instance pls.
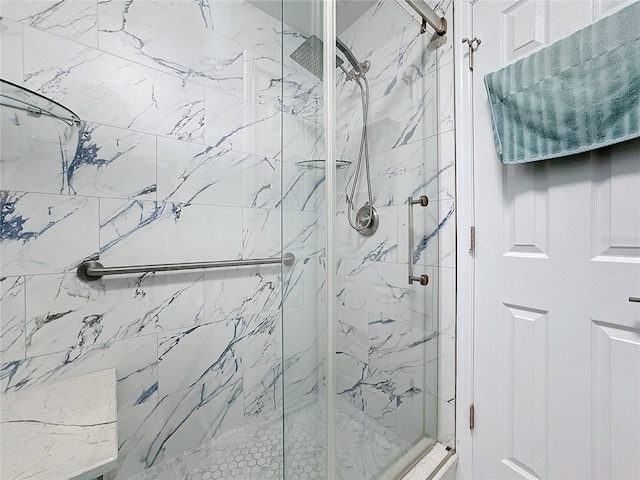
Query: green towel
x: 576, y: 95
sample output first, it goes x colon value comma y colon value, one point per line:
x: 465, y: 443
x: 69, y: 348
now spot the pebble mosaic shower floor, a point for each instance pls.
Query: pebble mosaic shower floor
x: 254, y: 452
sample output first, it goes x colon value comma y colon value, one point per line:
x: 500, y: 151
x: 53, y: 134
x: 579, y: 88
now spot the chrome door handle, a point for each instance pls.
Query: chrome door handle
x: 634, y: 299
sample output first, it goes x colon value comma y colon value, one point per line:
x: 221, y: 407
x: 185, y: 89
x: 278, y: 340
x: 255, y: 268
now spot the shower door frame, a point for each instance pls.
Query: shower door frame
x: 465, y: 201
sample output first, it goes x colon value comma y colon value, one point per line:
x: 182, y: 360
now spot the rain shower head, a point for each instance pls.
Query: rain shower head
x: 309, y: 55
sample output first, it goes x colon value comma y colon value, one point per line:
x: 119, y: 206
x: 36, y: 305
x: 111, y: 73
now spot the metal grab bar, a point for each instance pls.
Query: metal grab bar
x: 93, y: 270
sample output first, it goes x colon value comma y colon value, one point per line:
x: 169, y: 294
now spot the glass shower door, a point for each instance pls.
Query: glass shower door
x: 386, y: 284
x: 303, y: 345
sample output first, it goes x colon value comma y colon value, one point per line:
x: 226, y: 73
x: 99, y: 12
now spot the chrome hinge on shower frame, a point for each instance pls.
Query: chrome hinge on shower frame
x: 472, y: 417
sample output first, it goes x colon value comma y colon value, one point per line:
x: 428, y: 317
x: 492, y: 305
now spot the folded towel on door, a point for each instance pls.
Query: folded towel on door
x: 576, y: 95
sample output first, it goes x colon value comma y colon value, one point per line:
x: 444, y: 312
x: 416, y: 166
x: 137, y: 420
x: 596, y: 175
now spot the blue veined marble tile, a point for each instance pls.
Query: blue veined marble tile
x: 352, y: 333
x: 91, y: 160
x: 12, y: 322
x: 178, y: 422
x: 72, y: 19
x: 304, y: 377
x: 65, y: 313
x: 11, y: 50
x: 382, y: 246
x: 197, y: 174
x: 192, y: 356
x: 135, y: 360
x: 241, y: 291
x: 262, y: 390
x: 382, y: 289
x: 146, y: 33
x: 405, y: 352
x: 433, y: 235
x: 240, y: 125
x: 134, y: 232
x: 395, y: 174
x: 34, y: 232
x: 369, y: 389
x: 405, y: 116
x: 106, y: 89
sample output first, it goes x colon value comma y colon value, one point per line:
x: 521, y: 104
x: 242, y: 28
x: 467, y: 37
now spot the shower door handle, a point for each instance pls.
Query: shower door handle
x: 634, y: 299
x: 423, y: 201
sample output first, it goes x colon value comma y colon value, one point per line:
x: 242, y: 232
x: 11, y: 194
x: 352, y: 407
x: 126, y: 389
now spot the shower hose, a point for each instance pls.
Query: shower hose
x: 363, y: 83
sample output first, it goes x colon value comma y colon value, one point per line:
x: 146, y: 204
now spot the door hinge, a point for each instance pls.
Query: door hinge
x: 472, y: 239
x: 472, y: 417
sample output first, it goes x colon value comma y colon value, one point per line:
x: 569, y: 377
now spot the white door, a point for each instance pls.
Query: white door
x: 556, y: 339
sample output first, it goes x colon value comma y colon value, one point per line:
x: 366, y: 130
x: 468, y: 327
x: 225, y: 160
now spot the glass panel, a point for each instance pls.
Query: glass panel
x: 303, y: 233
x: 386, y: 328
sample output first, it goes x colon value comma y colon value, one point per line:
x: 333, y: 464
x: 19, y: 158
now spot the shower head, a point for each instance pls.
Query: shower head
x: 309, y: 55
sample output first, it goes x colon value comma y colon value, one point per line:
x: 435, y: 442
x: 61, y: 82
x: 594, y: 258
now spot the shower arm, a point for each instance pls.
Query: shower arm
x: 359, y: 68
x: 439, y: 24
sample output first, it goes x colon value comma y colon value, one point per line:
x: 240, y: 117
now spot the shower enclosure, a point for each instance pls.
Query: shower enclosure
x: 202, y: 137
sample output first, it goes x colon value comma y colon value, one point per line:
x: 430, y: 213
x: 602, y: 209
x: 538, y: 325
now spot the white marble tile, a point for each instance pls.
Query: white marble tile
x: 414, y: 406
x: 402, y: 117
x: 135, y: 360
x: 36, y: 157
x: 302, y: 188
x: 72, y: 19
x: 368, y: 389
x: 382, y: 289
x: 235, y: 292
x: 214, y: 350
x: 12, y: 319
x: 447, y: 301
x: 262, y: 390
x: 402, y: 60
x: 64, y: 430
x: 314, y: 276
x: 112, y: 162
x: 352, y: 333
x: 446, y: 166
x: 178, y: 422
x: 136, y: 232
x: 35, y: 230
x: 384, y: 21
x: 382, y: 246
x: 64, y: 313
x: 404, y: 352
x: 109, y: 90
x: 189, y: 357
x: 236, y: 20
x: 300, y: 329
x: 396, y: 174
x: 93, y: 160
x: 130, y: 29
x: 192, y: 173
x: 11, y: 48
x: 433, y: 234
x: 445, y: 98
x: 304, y: 376
x: 447, y: 423
x: 446, y: 368
x: 240, y: 125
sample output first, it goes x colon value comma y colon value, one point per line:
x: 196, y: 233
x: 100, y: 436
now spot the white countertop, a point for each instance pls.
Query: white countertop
x: 66, y: 430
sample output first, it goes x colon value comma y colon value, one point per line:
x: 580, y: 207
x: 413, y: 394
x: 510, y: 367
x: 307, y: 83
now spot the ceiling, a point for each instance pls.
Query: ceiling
x: 305, y: 16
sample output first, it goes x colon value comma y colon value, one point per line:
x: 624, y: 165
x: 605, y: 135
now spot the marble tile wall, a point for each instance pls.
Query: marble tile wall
x: 396, y: 342
x: 179, y: 158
